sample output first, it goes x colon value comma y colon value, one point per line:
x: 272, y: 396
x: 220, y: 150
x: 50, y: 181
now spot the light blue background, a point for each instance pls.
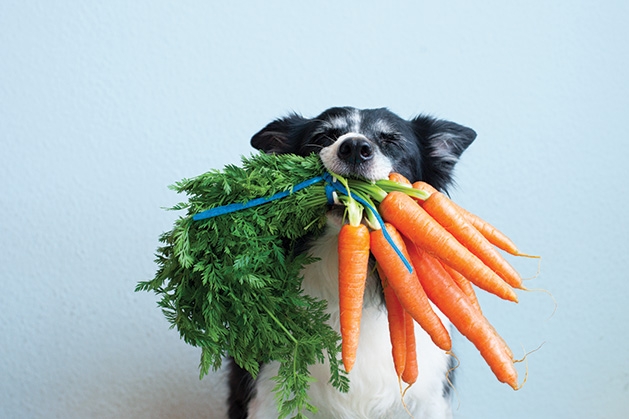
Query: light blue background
x: 103, y: 104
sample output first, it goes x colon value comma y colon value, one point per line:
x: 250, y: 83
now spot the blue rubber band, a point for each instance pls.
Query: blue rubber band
x: 331, y: 185
x: 340, y: 188
x: 238, y: 206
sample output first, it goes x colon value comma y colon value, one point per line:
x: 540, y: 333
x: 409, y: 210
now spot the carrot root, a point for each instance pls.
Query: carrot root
x: 397, y: 325
x: 451, y: 370
x: 410, y: 374
x: 353, y: 250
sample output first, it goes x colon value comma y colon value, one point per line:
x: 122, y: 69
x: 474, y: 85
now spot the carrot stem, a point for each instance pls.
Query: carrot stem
x: 390, y: 186
x: 371, y: 189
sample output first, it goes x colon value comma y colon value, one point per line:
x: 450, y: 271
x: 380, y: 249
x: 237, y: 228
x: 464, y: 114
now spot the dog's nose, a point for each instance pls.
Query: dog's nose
x: 355, y: 150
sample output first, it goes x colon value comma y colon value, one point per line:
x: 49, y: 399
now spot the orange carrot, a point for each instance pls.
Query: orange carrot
x: 446, y: 295
x: 353, y: 251
x: 491, y: 233
x: 423, y: 186
x: 397, y: 330
x: 442, y: 209
x: 396, y: 177
x: 407, y: 286
x: 411, y: 370
x: 464, y: 285
x: 415, y: 223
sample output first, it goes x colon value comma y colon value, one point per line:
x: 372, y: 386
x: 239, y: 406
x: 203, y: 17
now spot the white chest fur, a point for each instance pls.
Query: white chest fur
x: 374, y: 390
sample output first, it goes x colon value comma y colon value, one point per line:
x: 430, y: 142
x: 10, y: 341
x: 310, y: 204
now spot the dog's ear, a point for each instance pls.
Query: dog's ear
x: 442, y: 143
x: 280, y: 135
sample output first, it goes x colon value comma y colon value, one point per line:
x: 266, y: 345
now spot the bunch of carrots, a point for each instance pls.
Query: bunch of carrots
x: 427, y: 249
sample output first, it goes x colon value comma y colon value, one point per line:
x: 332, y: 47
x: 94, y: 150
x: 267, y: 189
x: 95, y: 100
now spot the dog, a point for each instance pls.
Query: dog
x: 370, y: 144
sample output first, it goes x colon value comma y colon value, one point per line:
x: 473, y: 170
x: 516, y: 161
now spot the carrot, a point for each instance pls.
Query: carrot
x: 411, y: 370
x: 491, y: 233
x: 415, y: 223
x: 397, y: 330
x: 464, y: 284
x: 467, y: 288
x: 442, y: 209
x: 407, y: 286
x: 446, y: 295
x: 353, y: 252
x: 423, y: 186
x: 396, y: 177
x: 447, y: 213
x: 495, y: 236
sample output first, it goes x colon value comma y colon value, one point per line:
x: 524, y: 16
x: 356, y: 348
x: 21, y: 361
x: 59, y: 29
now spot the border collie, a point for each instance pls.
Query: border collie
x: 367, y: 143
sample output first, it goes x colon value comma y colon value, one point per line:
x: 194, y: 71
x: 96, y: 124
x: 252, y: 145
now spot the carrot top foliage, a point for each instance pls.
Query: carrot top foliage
x: 231, y: 284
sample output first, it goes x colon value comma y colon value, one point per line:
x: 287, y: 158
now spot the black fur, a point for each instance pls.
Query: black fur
x: 241, y: 390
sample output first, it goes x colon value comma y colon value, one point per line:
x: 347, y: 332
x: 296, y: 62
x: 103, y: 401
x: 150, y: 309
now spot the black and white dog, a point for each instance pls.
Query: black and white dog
x: 370, y: 144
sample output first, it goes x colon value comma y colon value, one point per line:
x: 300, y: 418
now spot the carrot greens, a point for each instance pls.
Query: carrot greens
x: 231, y: 284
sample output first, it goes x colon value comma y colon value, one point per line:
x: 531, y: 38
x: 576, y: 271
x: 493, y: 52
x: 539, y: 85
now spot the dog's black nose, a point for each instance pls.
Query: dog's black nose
x: 355, y: 150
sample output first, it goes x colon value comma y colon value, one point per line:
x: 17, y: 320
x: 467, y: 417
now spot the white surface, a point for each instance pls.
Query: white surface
x: 104, y: 104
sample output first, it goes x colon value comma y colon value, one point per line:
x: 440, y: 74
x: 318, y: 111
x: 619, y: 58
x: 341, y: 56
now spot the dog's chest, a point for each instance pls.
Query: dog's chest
x: 374, y: 388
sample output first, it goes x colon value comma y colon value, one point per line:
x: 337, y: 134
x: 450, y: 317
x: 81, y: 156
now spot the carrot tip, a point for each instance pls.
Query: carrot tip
x: 451, y: 370
x: 550, y: 294
x: 402, y: 394
x: 526, y: 255
x: 528, y: 353
x: 348, y: 366
x: 517, y: 386
x: 539, y: 269
x: 524, y: 359
x: 511, y: 296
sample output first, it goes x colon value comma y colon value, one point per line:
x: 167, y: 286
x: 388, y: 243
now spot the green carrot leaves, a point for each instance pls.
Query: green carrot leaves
x: 231, y: 284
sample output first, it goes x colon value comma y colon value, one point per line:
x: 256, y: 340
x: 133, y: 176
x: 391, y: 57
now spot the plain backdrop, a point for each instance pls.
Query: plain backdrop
x: 104, y: 104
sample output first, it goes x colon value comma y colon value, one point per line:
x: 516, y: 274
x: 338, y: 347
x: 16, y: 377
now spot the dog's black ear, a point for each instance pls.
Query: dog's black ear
x: 442, y: 143
x: 280, y: 135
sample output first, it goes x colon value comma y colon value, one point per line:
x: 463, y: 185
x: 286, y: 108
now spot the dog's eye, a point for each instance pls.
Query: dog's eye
x: 326, y: 138
x: 389, y: 137
x: 323, y: 140
x: 318, y: 141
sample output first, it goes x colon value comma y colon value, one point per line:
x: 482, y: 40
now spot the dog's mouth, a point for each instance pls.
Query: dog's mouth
x: 354, y: 156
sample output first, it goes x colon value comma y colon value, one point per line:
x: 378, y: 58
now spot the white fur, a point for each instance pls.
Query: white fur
x: 350, y: 122
x: 378, y: 168
x: 374, y: 390
x: 383, y: 126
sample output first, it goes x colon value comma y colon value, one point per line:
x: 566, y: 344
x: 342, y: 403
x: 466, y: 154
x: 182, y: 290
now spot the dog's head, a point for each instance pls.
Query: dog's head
x: 371, y: 143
